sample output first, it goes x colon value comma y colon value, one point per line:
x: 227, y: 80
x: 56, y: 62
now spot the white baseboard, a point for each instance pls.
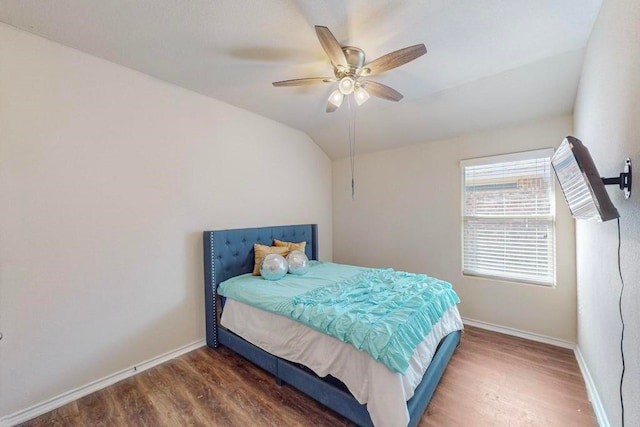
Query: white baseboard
x: 69, y: 396
x: 594, y: 397
x: 592, y: 392
x: 518, y: 333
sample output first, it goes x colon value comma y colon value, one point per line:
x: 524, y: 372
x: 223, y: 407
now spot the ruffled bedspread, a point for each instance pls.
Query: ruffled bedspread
x: 384, y: 312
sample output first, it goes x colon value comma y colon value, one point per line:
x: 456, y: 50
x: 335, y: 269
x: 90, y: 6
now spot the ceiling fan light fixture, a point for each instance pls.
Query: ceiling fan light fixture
x: 336, y: 98
x: 350, y: 70
x: 361, y: 95
x: 347, y: 85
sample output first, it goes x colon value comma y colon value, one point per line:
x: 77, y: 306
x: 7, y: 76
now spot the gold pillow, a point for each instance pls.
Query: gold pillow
x: 292, y: 246
x: 262, y: 251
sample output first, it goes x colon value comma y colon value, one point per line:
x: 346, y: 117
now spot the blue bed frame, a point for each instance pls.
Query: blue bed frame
x: 228, y: 253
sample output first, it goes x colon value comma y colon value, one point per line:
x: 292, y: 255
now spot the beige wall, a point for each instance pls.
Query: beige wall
x: 607, y: 120
x: 406, y: 215
x: 107, y: 180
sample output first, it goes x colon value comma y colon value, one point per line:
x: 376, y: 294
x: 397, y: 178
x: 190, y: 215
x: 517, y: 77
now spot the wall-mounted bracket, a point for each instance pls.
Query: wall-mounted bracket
x: 624, y: 180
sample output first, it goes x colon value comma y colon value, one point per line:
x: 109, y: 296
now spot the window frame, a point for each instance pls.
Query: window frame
x: 507, y: 158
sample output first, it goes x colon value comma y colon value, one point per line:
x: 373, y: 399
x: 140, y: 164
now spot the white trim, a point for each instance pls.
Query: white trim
x: 506, y: 259
x: 518, y: 333
x: 511, y: 157
x: 592, y: 391
x: 71, y: 395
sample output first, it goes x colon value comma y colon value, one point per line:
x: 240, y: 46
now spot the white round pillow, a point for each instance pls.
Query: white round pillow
x: 273, y: 267
x: 298, y: 263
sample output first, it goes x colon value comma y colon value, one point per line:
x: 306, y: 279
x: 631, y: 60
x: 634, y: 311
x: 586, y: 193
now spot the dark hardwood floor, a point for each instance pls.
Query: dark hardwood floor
x: 492, y: 380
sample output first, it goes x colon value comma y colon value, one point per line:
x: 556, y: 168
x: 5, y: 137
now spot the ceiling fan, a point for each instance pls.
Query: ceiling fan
x: 350, y: 71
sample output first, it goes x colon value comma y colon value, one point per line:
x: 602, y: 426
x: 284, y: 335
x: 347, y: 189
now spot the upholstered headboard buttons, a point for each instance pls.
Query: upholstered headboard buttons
x: 235, y: 255
x: 229, y: 253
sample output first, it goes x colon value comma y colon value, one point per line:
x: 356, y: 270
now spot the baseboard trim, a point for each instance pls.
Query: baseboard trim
x: 69, y: 396
x: 592, y: 391
x: 519, y: 333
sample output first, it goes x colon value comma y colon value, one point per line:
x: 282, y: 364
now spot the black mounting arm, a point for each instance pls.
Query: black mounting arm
x: 624, y: 180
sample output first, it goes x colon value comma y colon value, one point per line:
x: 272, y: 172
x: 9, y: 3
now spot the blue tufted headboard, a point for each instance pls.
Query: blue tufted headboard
x: 229, y: 253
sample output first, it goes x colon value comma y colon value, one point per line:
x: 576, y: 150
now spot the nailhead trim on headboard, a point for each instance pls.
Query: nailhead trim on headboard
x: 229, y: 253
x: 214, y: 288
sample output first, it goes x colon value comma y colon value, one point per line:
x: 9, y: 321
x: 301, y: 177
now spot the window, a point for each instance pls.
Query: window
x: 508, y: 215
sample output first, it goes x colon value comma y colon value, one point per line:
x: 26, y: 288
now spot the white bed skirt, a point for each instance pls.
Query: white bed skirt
x: 384, y: 392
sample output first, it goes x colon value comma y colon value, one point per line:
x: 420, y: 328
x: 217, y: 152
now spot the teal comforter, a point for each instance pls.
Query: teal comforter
x: 384, y: 312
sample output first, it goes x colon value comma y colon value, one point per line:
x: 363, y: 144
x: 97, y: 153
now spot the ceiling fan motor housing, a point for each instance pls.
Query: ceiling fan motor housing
x: 355, y: 61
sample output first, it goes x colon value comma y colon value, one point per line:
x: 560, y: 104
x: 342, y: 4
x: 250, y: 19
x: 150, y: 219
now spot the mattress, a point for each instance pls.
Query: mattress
x: 384, y: 392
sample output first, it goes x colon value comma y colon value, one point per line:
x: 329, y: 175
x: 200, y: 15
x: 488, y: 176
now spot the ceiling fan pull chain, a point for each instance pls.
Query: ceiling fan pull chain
x: 352, y: 145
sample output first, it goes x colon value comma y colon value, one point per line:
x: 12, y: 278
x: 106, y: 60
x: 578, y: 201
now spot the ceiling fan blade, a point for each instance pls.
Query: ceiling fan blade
x: 331, y: 47
x: 382, y: 91
x: 304, y: 82
x: 393, y: 60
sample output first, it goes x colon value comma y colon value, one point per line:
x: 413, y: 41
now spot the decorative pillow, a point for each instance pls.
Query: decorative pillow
x: 262, y: 251
x: 273, y: 267
x: 298, y: 263
x: 292, y: 246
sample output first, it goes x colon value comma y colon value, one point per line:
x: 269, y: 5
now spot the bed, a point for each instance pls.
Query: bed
x: 229, y: 253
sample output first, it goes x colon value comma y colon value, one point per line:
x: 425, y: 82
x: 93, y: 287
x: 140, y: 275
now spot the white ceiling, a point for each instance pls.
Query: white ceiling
x: 489, y: 62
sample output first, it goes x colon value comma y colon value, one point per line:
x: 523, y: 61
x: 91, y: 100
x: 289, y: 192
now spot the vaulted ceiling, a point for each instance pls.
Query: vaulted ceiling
x: 489, y: 62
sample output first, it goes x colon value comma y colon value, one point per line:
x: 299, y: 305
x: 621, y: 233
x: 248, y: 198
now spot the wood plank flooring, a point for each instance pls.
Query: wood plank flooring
x: 492, y: 380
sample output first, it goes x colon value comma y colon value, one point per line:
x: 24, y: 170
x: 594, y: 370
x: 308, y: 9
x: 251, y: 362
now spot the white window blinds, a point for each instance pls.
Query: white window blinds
x: 508, y: 214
